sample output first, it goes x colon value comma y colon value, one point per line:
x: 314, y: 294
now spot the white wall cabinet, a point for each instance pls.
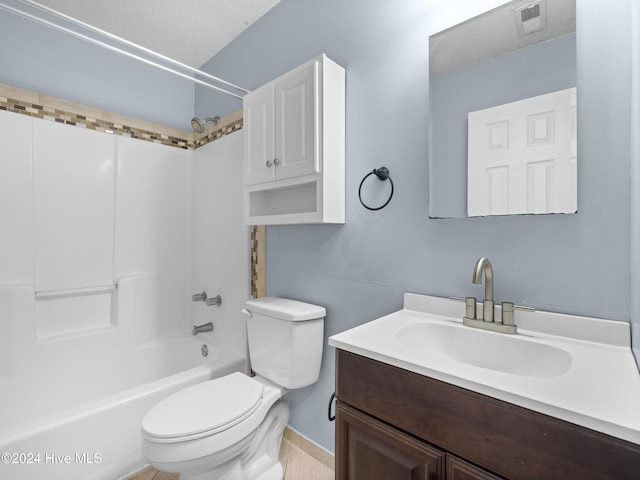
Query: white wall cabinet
x: 294, y: 147
x: 281, y: 114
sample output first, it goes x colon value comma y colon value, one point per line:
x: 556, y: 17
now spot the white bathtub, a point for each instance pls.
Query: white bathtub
x: 100, y: 439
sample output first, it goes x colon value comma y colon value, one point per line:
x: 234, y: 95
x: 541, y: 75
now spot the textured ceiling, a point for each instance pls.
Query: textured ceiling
x: 190, y: 31
x: 495, y: 33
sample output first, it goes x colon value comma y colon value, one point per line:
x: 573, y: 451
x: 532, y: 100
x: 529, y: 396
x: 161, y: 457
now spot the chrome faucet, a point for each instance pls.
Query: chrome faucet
x: 484, y: 265
x: 206, y: 327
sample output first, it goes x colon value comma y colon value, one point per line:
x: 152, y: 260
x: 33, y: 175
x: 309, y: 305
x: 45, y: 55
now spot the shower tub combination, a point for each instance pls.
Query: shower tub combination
x: 75, y: 410
x: 100, y: 439
x: 95, y: 290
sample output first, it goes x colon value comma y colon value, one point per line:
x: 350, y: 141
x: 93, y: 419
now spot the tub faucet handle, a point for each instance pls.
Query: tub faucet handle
x: 217, y: 301
x: 199, y: 297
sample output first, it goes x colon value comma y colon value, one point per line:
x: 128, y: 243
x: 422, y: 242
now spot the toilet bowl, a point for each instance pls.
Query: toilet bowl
x: 230, y: 428
x: 203, y: 428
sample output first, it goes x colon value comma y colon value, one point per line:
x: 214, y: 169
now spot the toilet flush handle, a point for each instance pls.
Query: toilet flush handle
x: 247, y: 312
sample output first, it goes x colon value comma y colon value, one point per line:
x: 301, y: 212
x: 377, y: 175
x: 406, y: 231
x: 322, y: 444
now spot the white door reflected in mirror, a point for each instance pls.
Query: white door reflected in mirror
x: 522, y: 157
x: 519, y: 50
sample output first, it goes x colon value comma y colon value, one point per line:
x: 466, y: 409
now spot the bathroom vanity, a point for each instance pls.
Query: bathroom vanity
x: 482, y: 405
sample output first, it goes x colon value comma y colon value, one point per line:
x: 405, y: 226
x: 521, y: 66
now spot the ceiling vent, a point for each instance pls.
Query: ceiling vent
x: 531, y: 18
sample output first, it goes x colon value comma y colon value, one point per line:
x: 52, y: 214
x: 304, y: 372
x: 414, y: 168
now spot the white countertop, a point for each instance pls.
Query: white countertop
x: 600, y: 389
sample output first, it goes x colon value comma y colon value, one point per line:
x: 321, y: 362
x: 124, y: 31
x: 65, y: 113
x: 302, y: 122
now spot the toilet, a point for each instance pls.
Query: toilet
x: 230, y: 428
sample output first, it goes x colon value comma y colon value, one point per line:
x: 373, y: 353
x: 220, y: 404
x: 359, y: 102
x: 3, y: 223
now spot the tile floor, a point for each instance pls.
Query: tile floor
x: 300, y: 465
x: 151, y: 473
x: 297, y: 463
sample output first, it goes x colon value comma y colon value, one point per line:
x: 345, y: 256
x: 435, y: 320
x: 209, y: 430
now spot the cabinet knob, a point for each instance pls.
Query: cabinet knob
x: 268, y: 163
x: 276, y: 161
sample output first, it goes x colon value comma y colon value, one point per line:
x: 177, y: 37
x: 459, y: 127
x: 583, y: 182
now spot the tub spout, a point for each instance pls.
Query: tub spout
x: 206, y: 327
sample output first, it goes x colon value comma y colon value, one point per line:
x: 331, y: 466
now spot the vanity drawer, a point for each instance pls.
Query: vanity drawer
x: 508, y: 440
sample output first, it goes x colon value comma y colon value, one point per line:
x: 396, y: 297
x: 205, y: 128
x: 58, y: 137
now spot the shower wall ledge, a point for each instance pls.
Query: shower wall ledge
x: 34, y: 104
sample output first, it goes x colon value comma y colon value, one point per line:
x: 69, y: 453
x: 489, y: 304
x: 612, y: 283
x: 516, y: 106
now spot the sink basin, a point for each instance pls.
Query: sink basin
x: 494, y: 351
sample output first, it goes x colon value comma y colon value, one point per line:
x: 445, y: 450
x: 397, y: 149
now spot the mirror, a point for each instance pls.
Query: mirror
x: 502, y: 95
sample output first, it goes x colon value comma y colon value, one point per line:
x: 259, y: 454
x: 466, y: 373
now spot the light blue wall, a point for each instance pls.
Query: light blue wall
x: 542, y: 68
x: 44, y: 60
x: 569, y: 263
x: 576, y: 264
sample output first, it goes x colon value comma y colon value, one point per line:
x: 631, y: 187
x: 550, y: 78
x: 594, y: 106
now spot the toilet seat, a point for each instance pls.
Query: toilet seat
x: 203, y: 409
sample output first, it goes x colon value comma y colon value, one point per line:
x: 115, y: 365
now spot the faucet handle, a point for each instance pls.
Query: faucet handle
x: 507, y: 312
x: 199, y: 297
x: 470, y: 304
x: 470, y: 307
x: 524, y: 308
x: 217, y: 301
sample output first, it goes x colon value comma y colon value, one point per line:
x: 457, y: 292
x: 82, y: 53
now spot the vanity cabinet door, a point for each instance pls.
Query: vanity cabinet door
x: 368, y: 449
x: 458, y: 469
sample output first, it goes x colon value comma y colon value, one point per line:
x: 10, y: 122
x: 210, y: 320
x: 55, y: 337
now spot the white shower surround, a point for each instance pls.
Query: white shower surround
x: 82, y: 369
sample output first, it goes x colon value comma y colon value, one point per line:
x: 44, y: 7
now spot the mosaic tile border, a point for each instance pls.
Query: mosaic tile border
x: 78, y: 120
x: 258, y: 258
x: 25, y: 102
x: 218, y: 133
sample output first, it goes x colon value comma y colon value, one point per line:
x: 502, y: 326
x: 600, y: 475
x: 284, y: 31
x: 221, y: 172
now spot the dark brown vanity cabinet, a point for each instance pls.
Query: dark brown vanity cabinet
x: 393, y: 424
x: 374, y: 450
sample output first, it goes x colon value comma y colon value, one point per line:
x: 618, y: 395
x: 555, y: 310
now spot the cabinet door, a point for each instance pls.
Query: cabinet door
x: 458, y: 469
x: 259, y: 146
x: 369, y: 449
x: 296, y: 111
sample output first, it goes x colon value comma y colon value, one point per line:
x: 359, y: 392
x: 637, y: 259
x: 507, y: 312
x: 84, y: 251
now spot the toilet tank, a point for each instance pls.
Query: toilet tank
x: 285, y: 340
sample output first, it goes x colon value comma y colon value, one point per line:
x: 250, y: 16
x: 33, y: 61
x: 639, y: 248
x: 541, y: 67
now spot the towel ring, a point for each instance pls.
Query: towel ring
x: 383, y: 174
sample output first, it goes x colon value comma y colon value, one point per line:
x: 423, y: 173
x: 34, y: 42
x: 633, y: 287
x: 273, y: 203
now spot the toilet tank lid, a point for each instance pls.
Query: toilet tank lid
x: 285, y: 308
